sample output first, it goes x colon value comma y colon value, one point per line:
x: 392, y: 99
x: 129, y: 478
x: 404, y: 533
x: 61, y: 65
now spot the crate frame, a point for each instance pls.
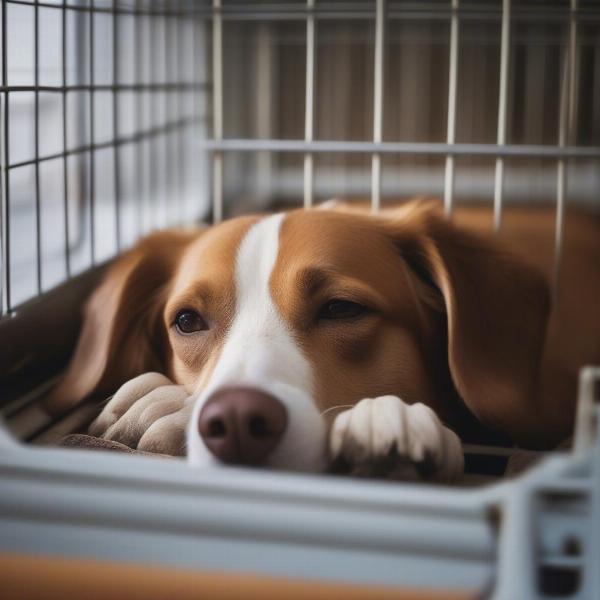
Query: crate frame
x: 495, y: 540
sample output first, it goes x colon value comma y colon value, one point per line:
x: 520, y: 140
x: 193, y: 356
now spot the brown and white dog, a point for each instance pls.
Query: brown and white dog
x: 293, y: 340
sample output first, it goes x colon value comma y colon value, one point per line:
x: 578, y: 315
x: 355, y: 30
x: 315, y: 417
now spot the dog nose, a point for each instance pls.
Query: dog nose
x: 242, y: 425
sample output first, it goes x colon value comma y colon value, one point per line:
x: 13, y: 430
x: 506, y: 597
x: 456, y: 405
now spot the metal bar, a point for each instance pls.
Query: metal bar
x: 585, y: 420
x: 129, y: 139
x: 377, y: 105
x: 451, y: 133
x: 309, y: 119
x: 122, y: 10
x: 115, y: 124
x: 107, y: 87
x: 420, y: 148
x: 217, y: 187
x: 199, y: 69
x: 398, y: 13
x: 561, y: 184
x: 36, y: 135
x: 241, y: 11
x: 80, y: 201
x: 502, y: 101
x: 65, y: 146
x: 217, y: 111
x: 180, y: 152
x: 264, y: 81
x: 5, y: 189
x: 169, y: 196
x: 574, y: 78
x: 92, y: 137
x: 153, y: 174
x: 565, y: 132
x: 139, y: 171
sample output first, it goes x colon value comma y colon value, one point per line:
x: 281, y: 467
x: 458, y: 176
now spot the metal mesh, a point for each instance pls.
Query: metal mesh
x: 572, y: 27
x: 101, y: 101
x: 291, y: 117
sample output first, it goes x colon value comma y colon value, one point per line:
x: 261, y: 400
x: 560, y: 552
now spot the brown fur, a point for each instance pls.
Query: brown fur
x: 204, y: 282
x: 122, y: 334
x: 457, y: 320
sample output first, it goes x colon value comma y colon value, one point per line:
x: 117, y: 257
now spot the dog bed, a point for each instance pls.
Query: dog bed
x: 90, y: 442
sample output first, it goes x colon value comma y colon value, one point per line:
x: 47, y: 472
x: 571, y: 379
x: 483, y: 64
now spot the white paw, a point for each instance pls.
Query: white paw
x: 148, y: 413
x: 167, y: 434
x: 386, y: 433
x: 127, y: 395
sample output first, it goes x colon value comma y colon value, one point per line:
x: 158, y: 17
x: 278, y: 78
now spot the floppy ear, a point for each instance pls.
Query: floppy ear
x: 122, y: 335
x: 497, y: 310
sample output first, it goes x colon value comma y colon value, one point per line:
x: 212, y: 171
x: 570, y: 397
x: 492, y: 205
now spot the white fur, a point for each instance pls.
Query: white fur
x: 260, y: 352
x: 375, y: 426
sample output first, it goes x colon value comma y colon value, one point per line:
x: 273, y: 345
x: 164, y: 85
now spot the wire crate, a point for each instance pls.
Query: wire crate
x: 118, y: 117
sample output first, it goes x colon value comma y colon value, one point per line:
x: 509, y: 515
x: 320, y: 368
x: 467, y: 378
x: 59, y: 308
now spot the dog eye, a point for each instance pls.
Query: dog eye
x: 341, y: 309
x: 189, y: 321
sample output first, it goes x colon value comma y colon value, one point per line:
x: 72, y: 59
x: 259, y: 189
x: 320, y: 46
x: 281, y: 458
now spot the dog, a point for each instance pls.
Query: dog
x: 322, y: 337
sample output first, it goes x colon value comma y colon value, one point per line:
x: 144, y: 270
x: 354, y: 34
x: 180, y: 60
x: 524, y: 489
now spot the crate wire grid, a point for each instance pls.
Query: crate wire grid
x: 161, y: 89
x: 500, y: 151
x: 218, y: 145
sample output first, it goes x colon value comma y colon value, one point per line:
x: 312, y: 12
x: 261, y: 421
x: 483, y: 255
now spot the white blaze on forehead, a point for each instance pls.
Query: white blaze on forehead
x: 259, y: 345
x: 261, y: 352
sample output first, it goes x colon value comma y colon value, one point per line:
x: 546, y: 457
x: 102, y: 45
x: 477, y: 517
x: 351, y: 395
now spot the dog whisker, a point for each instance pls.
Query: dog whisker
x: 106, y: 400
x: 335, y: 408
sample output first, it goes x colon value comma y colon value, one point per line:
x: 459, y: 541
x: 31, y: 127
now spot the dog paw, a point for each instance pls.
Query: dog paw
x: 384, y: 436
x: 167, y: 435
x: 141, y: 406
x: 126, y: 396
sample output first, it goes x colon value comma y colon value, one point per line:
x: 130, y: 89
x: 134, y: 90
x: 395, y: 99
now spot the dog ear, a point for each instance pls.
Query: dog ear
x: 122, y: 333
x: 497, y: 309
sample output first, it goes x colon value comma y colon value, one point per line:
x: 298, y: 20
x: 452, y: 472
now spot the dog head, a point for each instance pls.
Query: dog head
x: 275, y: 322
